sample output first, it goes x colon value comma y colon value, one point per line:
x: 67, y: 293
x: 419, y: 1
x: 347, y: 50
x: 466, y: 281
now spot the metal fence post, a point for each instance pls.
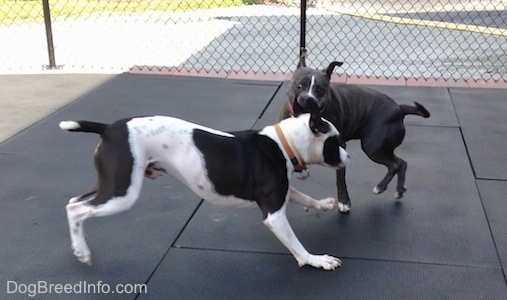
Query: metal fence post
x: 302, y: 28
x: 49, y: 35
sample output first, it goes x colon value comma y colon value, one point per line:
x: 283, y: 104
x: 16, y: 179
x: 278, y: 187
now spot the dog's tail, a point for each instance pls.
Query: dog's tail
x: 83, y: 126
x: 418, y: 109
x: 302, y: 57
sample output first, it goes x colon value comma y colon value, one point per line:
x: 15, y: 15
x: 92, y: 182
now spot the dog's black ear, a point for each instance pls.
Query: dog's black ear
x: 317, y: 125
x: 330, y: 68
x: 302, y: 57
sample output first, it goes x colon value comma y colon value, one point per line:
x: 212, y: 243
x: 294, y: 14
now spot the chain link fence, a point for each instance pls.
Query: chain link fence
x: 446, y: 39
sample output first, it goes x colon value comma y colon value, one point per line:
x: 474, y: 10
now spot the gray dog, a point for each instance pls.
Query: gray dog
x: 358, y: 113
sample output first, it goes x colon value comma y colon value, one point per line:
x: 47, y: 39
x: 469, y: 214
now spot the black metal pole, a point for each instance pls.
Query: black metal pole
x: 302, y: 33
x: 49, y: 35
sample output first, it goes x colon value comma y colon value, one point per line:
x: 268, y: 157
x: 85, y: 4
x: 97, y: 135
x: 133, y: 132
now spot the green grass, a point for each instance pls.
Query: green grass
x: 31, y: 10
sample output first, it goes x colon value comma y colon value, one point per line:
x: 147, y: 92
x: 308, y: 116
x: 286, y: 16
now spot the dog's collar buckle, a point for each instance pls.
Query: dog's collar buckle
x: 294, y: 156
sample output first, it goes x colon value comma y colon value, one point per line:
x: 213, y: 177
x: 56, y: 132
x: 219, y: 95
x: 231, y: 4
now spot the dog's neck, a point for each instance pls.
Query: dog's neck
x: 292, y: 152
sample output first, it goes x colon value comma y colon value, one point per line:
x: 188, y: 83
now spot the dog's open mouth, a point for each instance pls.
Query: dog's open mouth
x: 291, y: 108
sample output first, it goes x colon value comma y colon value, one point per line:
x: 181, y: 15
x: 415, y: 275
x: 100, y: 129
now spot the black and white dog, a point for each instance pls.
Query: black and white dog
x: 239, y: 169
x: 358, y: 113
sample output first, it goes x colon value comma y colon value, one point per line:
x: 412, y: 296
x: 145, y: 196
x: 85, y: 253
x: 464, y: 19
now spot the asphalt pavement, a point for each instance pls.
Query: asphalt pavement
x: 428, y: 42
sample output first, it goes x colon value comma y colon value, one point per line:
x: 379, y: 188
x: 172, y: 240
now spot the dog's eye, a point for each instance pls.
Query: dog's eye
x: 319, y: 91
x: 299, y: 86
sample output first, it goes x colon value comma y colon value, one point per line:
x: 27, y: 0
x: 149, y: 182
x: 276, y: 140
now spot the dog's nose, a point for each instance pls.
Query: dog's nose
x: 305, y: 102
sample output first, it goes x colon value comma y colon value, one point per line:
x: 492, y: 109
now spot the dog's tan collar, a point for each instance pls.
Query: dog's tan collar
x: 292, y: 152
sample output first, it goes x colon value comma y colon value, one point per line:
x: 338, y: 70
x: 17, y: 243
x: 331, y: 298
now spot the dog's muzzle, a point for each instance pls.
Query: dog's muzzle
x: 301, y: 105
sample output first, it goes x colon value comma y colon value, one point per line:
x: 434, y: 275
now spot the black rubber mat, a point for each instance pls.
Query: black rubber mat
x: 483, y: 120
x: 204, y: 274
x: 444, y: 240
x: 126, y: 248
x: 440, y: 220
x: 493, y: 194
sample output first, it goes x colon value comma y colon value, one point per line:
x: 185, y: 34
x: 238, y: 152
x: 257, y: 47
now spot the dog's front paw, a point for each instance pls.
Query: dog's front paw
x: 326, y: 204
x: 74, y: 199
x: 344, y: 208
x: 325, y: 262
x: 82, y: 254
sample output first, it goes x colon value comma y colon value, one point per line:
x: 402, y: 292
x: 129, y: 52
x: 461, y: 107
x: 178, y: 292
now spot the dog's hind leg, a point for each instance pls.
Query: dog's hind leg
x: 395, y: 165
x: 75, y: 212
x: 401, y: 188
x: 85, y: 196
x: 79, y: 211
x: 379, y: 145
x: 115, y: 193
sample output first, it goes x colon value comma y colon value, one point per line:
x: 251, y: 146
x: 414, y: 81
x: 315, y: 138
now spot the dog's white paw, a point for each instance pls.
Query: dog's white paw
x: 399, y: 195
x: 74, y: 200
x: 377, y: 190
x: 343, y: 207
x: 326, y: 204
x: 82, y: 254
x: 325, y: 262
